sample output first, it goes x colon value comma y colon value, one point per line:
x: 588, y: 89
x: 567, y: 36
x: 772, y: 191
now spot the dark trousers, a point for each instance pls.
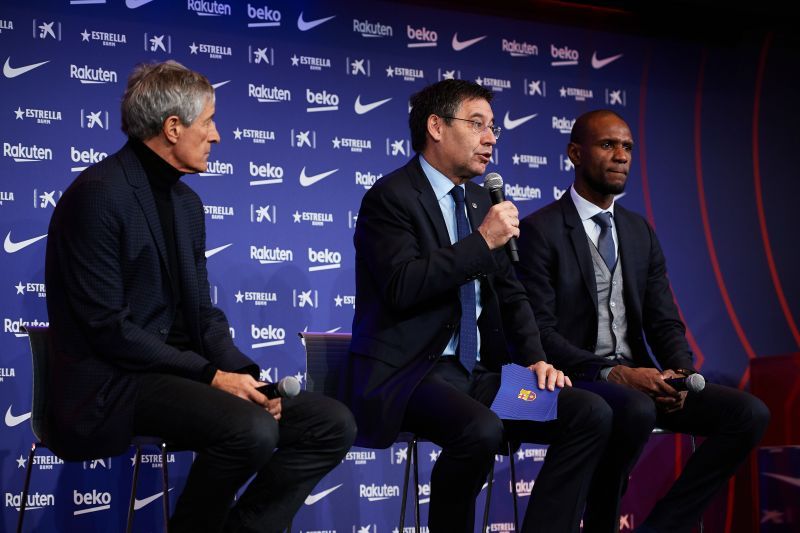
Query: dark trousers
x: 235, y: 439
x: 450, y: 409
x: 733, y: 422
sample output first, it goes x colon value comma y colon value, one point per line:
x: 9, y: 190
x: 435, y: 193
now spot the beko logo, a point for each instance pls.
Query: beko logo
x: 324, y: 259
x: 564, y: 56
x: 89, y: 157
x: 264, y: 17
x: 272, y: 173
x: 421, y: 37
x: 93, y: 501
x: 270, y: 335
x: 321, y: 101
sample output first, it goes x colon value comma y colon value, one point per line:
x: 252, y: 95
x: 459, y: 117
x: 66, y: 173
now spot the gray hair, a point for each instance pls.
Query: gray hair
x: 156, y: 91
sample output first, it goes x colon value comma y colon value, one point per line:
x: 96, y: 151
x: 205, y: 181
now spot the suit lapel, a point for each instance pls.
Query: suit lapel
x: 580, y: 245
x: 428, y: 200
x: 478, y: 204
x: 136, y: 176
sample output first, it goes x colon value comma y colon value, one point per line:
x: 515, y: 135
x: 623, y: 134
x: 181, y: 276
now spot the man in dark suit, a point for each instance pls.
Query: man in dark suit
x: 140, y: 350
x: 429, y: 303
x: 596, y: 277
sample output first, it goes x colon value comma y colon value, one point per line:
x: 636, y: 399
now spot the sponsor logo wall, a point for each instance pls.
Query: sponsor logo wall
x: 312, y: 103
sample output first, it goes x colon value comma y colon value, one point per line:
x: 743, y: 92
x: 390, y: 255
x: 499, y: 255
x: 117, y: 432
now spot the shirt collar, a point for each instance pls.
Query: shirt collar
x: 586, y: 209
x: 441, y: 184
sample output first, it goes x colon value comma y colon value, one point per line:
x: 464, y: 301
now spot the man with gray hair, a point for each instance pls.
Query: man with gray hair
x: 139, y: 348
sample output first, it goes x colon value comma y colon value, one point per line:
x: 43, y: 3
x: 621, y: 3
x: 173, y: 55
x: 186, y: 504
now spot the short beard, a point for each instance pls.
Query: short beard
x: 601, y: 187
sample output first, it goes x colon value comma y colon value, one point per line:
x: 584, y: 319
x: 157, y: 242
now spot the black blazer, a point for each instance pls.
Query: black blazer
x: 407, y: 304
x: 556, y: 270
x: 110, y: 304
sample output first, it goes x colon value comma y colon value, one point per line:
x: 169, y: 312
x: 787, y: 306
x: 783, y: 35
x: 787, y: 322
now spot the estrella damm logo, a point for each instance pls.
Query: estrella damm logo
x: 526, y: 395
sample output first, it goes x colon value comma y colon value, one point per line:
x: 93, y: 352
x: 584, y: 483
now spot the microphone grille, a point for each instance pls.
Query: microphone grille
x: 695, y: 383
x: 289, y: 386
x: 493, y: 181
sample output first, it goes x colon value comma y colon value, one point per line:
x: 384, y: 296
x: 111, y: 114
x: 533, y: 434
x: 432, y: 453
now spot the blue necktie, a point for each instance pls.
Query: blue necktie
x: 468, y: 331
x: 605, y: 244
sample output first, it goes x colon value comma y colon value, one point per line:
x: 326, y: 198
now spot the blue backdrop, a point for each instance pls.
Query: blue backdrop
x: 312, y: 103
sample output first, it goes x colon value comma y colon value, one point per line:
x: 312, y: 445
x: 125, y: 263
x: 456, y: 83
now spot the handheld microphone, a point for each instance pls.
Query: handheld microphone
x: 494, y: 183
x: 692, y: 383
x: 288, y: 387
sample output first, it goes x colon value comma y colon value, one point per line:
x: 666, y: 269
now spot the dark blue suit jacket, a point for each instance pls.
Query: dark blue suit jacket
x: 110, y: 303
x: 556, y: 270
x: 407, y: 302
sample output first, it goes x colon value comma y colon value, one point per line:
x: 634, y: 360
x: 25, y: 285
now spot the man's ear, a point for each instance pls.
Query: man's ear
x: 574, y: 153
x: 435, y: 126
x: 172, y: 128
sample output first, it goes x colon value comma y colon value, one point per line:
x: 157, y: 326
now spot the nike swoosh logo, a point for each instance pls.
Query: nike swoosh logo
x: 220, y: 84
x: 311, y: 499
x: 138, y: 504
x: 11, y: 72
x: 302, y: 25
x: 600, y: 63
x: 13, y: 247
x: 307, y: 181
x: 510, y: 124
x: 366, y: 108
x: 217, y: 250
x: 12, y: 420
x: 788, y: 479
x: 460, y: 45
x: 133, y: 4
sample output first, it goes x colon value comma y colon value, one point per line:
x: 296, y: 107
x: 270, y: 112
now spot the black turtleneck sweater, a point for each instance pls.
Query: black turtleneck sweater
x: 163, y: 177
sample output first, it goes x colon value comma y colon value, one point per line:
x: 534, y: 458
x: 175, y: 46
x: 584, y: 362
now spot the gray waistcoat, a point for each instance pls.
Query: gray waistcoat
x: 612, y: 327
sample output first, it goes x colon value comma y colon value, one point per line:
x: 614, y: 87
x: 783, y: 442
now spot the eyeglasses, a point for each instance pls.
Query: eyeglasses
x: 479, y: 127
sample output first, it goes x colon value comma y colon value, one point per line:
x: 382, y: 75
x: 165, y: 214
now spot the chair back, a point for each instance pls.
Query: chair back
x: 41, y: 348
x: 326, y: 355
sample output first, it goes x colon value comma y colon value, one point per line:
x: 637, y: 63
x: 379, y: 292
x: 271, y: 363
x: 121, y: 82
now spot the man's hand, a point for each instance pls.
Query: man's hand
x: 648, y: 380
x: 549, y: 377
x: 670, y: 404
x: 274, y: 407
x: 500, y: 224
x: 241, y: 385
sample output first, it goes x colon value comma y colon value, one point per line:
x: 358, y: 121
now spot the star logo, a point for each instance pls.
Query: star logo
x: 21, y: 461
x: 19, y: 112
x: 295, y: 60
x: 563, y: 92
x: 45, y: 29
x: 337, y: 300
x: 20, y: 288
x: 389, y: 72
x: 156, y: 43
x: 261, y: 55
x: 535, y: 87
x: 449, y: 75
x: 434, y: 455
x: 337, y: 143
x: 479, y: 81
x: 302, y: 138
x: 357, y: 66
x: 300, y: 377
x: 193, y: 49
x: 239, y: 297
x: 85, y: 36
x: 237, y: 134
x: 520, y: 454
x: 296, y: 217
x: 515, y: 159
x: 398, y: 148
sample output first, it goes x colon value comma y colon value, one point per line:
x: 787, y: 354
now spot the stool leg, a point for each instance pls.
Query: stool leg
x: 490, y: 482
x: 165, y: 485
x: 403, y: 500
x: 136, y: 462
x: 513, y: 486
x: 26, y: 487
x: 416, y: 486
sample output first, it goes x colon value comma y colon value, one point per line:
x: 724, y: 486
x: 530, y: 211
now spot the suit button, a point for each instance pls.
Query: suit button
x: 163, y: 331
